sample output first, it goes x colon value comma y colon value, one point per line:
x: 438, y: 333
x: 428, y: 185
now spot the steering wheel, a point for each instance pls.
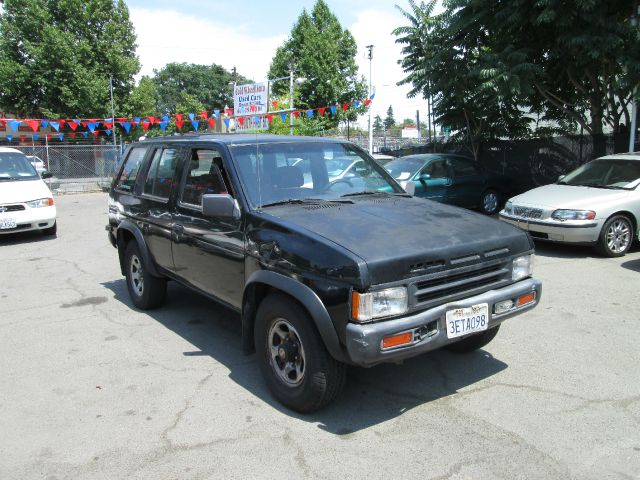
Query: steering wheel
x: 335, y: 182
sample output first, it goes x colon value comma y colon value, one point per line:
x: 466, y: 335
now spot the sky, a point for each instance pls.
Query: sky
x: 246, y: 35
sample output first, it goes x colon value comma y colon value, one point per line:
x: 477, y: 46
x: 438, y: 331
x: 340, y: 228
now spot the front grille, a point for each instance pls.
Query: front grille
x: 11, y: 208
x: 526, y: 212
x: 458, y: 283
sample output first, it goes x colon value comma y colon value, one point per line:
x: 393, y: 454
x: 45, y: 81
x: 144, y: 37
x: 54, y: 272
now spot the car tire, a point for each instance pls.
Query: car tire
x: 146, y: 291
x: 473, y: 342
x: 489, y: 202
x: 297, y: 367
x: 616, y: 236
x: 52, y: 230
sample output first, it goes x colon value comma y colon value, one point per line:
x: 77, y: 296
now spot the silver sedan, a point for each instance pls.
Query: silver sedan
x: 596, y: 204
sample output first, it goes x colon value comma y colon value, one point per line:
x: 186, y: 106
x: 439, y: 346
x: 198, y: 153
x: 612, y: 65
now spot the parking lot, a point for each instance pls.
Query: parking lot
x: 92, y: 388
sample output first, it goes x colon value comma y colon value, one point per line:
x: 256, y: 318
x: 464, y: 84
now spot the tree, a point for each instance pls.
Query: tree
x: 211, y: 85
x: 56, y: 57
x: 144, y: 99
x: 389, y: 121
x: 322, y: 52
x: 378, y: 126
x: 488, y: 64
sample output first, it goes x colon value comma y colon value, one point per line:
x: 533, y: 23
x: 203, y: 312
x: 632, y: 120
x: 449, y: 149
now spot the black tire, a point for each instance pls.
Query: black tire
x: 52, y: 230
x: 287, y: 339
x: 474, y: 342
x: 489, y: 202
x: 616, y: 237
x: 145, y: 290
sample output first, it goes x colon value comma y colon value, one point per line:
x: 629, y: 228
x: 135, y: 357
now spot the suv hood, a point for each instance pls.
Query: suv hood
x: 401, y: 237
x: 20, y: 191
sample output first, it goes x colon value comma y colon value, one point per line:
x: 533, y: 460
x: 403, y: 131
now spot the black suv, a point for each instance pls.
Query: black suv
x: 327, y: 267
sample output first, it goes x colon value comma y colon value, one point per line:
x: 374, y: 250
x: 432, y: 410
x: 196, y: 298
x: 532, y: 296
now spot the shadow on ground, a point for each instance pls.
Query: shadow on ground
x: 32, y: 236
x: 632, y: 265
x: 371, y: 396
x: 563, y: 250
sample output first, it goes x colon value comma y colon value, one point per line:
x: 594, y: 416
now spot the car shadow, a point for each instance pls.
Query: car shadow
x: 371, y: 396
x: 31, y: 236
x: 632, y: 265
x: 563, y: 250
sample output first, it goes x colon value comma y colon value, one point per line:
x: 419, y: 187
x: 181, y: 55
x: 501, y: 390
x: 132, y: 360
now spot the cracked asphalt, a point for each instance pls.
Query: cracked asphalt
x: 92, y: 389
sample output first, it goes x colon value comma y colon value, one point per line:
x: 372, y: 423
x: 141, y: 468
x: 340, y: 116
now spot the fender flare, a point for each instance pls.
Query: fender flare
x: 132, y: 228
x: 302, y: 294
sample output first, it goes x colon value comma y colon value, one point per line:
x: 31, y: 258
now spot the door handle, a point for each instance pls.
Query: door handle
x: 178, y: 229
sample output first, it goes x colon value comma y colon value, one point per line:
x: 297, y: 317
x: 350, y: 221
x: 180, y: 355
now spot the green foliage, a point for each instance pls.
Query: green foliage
x: 389, y: 121
x: 323, y: 53
x: 210, y: 85
x: 568, y: 63
x: 143, y: 99
x: 378, y: 126
x: 56, y: 57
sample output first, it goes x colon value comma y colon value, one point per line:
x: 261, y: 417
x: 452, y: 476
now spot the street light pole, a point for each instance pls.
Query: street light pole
x: 370, y: 47
x: 291, y: 98
x: 113, y: 114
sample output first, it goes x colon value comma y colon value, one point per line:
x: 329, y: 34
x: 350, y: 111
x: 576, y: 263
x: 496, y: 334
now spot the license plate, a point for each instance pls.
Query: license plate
x: 463, y: 321
x: 7, y: 223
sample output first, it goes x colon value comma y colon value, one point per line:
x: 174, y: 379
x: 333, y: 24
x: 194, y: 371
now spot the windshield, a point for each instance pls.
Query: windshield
x: 273, y: 173
x: 15, y: 166
x: 404, y: 168
x: 624, y: 174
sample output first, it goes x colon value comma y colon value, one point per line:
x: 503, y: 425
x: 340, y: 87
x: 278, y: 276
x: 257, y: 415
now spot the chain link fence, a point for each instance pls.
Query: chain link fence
x: 76, y: 168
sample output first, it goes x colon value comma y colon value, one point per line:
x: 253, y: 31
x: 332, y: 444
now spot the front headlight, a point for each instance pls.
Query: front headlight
x: 522, y: 267
x: 383, y: 303
x: 508, y: 207
x: 41, y: 202
x: 573, y: 215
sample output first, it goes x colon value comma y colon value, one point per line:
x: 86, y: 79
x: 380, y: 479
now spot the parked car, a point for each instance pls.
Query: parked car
x: 451, y: 179
x: 37, y: 163
x: 596, y: 204
x: 382, y: 159
x: 345, y: 271
x: 26, y: 202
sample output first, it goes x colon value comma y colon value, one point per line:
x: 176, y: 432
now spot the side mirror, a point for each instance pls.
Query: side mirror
x: 220, y: 206
x: 561, y: 177
x: 46, y: 174
x: 424, y: 177
x: 409, y: 187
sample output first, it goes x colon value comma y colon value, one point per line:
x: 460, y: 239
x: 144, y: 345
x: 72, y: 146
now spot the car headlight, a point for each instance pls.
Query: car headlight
x: 573, y: 215
x: 508, y: 207
x: 522, y: 267
x: 41, y: 202
x: 382, y: 303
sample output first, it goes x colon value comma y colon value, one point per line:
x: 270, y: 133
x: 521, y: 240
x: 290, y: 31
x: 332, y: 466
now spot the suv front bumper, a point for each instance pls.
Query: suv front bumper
x: 364, y: 342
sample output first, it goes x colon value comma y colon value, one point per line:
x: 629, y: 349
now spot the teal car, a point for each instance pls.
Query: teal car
x: 451, y: 179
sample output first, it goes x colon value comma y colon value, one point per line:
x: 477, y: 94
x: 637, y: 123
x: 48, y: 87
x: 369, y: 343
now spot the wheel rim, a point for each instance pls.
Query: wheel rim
x: 490, y: 202
x: 618, y: 236
x: 137, y: 280
x: 286, y: 353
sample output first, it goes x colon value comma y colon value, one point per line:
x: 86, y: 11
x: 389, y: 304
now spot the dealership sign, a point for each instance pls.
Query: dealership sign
x: 250, y: 99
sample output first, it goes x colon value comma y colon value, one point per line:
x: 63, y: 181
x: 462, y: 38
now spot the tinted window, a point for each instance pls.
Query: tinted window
x: 463, y: 167
x: 132, y: 164
x: 437, y: 169
x: 204, y: 176
x: 160, y: 175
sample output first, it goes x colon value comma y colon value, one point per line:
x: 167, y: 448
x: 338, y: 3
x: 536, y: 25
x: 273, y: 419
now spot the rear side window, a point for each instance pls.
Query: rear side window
x: 127, y: 179
x: 160, y: 176
x: 463, y: 167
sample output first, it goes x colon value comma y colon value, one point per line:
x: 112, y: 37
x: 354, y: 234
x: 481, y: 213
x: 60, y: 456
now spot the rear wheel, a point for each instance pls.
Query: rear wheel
x: 616, y: 236
x: 489, y: 202
x: 296, y: 366
x: 145, y: 290
x: 474, y: 342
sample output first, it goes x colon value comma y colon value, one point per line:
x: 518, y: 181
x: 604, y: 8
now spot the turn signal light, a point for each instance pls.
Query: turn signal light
x: 526, y: 299
x: 397, y: 340
x: 50, y: 201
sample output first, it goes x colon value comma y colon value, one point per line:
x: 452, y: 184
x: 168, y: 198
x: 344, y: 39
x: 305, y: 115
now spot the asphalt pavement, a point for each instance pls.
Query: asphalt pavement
x: 91, y: 388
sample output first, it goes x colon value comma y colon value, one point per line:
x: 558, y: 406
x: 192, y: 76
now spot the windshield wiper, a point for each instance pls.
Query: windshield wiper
x: 597, y: 185
x: 365, y: 192
x: 7, y: 178
x: 303, y: 201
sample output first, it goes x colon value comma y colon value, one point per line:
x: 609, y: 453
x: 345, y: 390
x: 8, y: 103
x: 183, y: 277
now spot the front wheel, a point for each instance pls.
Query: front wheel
x: 616, y: 236
x: 489, y: 202
x: 52, y: 230
x: 296, y: 366
x: 145, y: 290
x: 473, y: 342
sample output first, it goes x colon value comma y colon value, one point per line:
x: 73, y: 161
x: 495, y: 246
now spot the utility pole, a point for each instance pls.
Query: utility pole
x: 291, y: 97
x: 113, y: 114
x: 370, y: 48
x: 634, y: 105
x: 418, y: 124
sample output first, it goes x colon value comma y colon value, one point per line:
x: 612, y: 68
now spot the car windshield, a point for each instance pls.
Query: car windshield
x: 15, y: 166
x: 605, y: 173
x: 404, y: 168
x: 295, y: 172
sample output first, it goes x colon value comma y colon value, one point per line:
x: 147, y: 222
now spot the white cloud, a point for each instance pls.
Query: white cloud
x: 166, y: 36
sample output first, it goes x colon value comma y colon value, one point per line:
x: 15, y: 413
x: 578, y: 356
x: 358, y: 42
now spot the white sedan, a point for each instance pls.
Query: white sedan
x: 596, y: 204
x: 26, y: 203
